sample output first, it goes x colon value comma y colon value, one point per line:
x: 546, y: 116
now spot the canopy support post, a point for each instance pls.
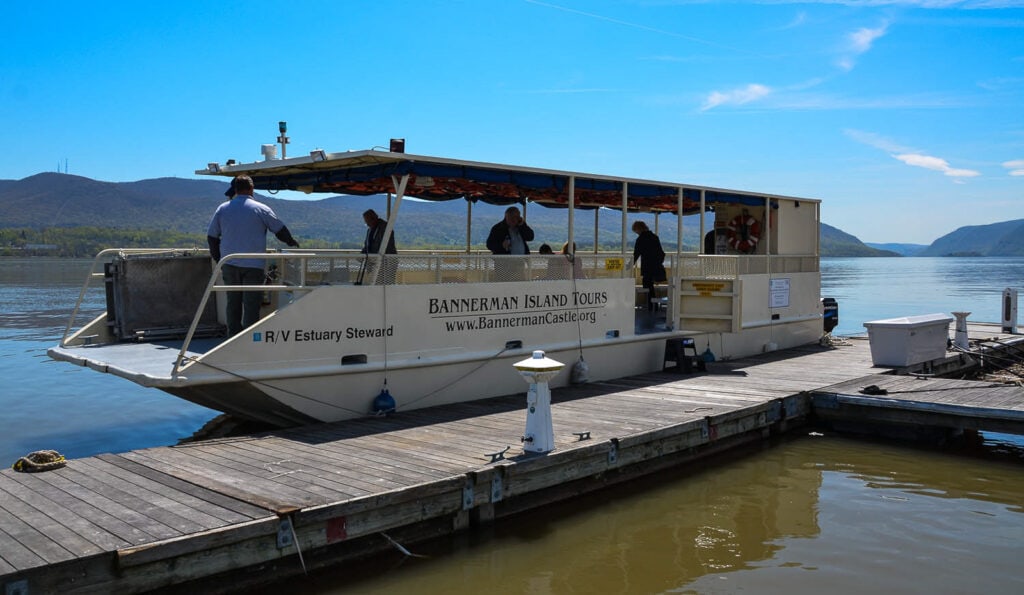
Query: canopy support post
x: 625, y: 214
x: 469, y: 226
x: 700, y: 242
x: 679, y: 224
x: 572, y: 215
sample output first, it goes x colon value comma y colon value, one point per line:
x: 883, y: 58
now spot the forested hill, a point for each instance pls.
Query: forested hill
x: 835, y: 242
x: 79, y: 216
x: 996, y: 239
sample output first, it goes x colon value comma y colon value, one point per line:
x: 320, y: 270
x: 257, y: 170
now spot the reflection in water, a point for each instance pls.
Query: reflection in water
x: 809, y: 514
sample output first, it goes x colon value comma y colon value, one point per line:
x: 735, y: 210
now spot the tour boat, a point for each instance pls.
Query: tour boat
x: 343, y: 334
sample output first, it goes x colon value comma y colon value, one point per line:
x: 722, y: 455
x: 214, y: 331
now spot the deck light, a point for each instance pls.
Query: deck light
x: 397, y: 145
x: 213, y: 168
x: 318, y: 155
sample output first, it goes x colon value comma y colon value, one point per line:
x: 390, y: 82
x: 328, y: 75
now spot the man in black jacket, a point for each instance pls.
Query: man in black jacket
x: 509, y: 237
x: 375, y: 227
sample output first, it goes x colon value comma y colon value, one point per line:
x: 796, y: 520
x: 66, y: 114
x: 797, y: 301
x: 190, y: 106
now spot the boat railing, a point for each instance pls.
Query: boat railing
x: 298, y: 272
x: 712, y: 266
x: 418, y: 268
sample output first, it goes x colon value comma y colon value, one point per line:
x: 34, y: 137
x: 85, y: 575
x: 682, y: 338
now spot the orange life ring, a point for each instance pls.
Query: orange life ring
x: 744, y: 233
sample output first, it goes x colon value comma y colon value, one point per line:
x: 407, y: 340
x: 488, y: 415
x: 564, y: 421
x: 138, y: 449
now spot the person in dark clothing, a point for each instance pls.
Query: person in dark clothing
x: 375, y: 227
x: 509, y: 237
x: 647, y: 250
x: 239, y: 226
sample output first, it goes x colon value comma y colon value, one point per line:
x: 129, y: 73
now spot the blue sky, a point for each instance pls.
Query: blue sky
x: 905, y: 117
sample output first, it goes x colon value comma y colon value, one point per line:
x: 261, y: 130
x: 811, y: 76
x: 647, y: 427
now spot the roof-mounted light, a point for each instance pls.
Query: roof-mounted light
x: 318, y: 155
x: 213, y: 168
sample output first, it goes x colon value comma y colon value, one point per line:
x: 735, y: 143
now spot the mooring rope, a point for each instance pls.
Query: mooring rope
x: 40, y: 460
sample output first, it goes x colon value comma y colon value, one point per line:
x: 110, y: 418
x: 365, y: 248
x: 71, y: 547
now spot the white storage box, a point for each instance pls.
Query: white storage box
x: 909, y: 340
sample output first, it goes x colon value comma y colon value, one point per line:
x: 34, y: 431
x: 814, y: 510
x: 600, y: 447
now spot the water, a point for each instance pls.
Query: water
x: 811, y: 513
x: 59, y: 406
x: 877, y: 288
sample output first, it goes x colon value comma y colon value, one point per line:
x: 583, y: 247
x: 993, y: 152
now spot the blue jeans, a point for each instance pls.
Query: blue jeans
x: 243, y: 308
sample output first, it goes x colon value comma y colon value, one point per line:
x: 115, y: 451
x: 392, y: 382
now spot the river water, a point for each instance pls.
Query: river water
x: 810, y: 512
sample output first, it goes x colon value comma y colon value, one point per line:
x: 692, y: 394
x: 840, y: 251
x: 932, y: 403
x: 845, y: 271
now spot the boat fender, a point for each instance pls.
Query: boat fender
x: 384, y: 403
x: 580, y: 373
x: 708, y: 355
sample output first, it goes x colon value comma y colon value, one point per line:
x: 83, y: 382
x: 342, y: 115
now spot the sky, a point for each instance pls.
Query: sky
x: 905, y: 117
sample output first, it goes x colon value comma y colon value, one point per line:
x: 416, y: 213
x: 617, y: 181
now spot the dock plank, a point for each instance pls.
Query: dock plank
x: 28, y: 527
x: 47, y: 523
x: 83, y: 506
x: 18, y: 555
x: 221, y: 480
x: 73, y: 519
x: 192, y: 513
x: 77, y: 485
x: 224, y: 507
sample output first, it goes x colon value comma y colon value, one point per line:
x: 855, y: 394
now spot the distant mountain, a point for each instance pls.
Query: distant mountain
x: 835, y: 242
x: 901, y: 249
x: 183, y: 206
x: 996, y: 239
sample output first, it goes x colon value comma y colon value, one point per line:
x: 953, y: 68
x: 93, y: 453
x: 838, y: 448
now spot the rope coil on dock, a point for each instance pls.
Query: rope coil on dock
x: 40, y: 460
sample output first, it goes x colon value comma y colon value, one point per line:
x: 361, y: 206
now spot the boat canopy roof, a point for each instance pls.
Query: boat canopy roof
x: 434, y: 178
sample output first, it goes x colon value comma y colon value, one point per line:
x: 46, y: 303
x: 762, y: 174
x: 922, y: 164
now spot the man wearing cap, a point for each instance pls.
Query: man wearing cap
x: 240, y: 225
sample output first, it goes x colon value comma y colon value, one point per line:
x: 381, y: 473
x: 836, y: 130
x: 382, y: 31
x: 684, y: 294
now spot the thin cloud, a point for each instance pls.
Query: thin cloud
x: 877, y: 141
x: 633, y: 25
x: 798, y: 21
x: 938, y: 4
x: 752, y: 92
x: 1015, y: 167
x: 858, y: 43
x: 935, y: 164
x: 912, y: 157
x: 569, y: 91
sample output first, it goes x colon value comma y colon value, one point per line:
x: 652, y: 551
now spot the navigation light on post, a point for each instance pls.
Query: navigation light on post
x: 538, y: 370
x: 282, y: 127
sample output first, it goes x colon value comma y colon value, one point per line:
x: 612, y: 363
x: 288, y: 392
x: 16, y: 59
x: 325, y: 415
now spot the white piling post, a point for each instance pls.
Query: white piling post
x: 538, y: 370
x: 960, y: 338
x: 1010, y: 311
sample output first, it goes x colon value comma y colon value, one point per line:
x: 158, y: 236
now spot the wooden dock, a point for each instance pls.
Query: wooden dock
x: 318, y: 495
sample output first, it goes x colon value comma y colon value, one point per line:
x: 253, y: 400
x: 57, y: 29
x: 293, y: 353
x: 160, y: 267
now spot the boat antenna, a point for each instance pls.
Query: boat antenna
x: 283, y: 139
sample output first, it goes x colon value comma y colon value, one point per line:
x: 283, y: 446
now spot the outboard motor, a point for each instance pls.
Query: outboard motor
x: 830, y: 316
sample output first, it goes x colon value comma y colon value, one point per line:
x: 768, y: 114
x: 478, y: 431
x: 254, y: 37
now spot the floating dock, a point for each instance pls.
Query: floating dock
x: 289, y: 500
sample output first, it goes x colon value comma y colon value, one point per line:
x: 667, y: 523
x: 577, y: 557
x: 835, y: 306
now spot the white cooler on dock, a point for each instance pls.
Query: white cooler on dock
x: 909, y: 340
